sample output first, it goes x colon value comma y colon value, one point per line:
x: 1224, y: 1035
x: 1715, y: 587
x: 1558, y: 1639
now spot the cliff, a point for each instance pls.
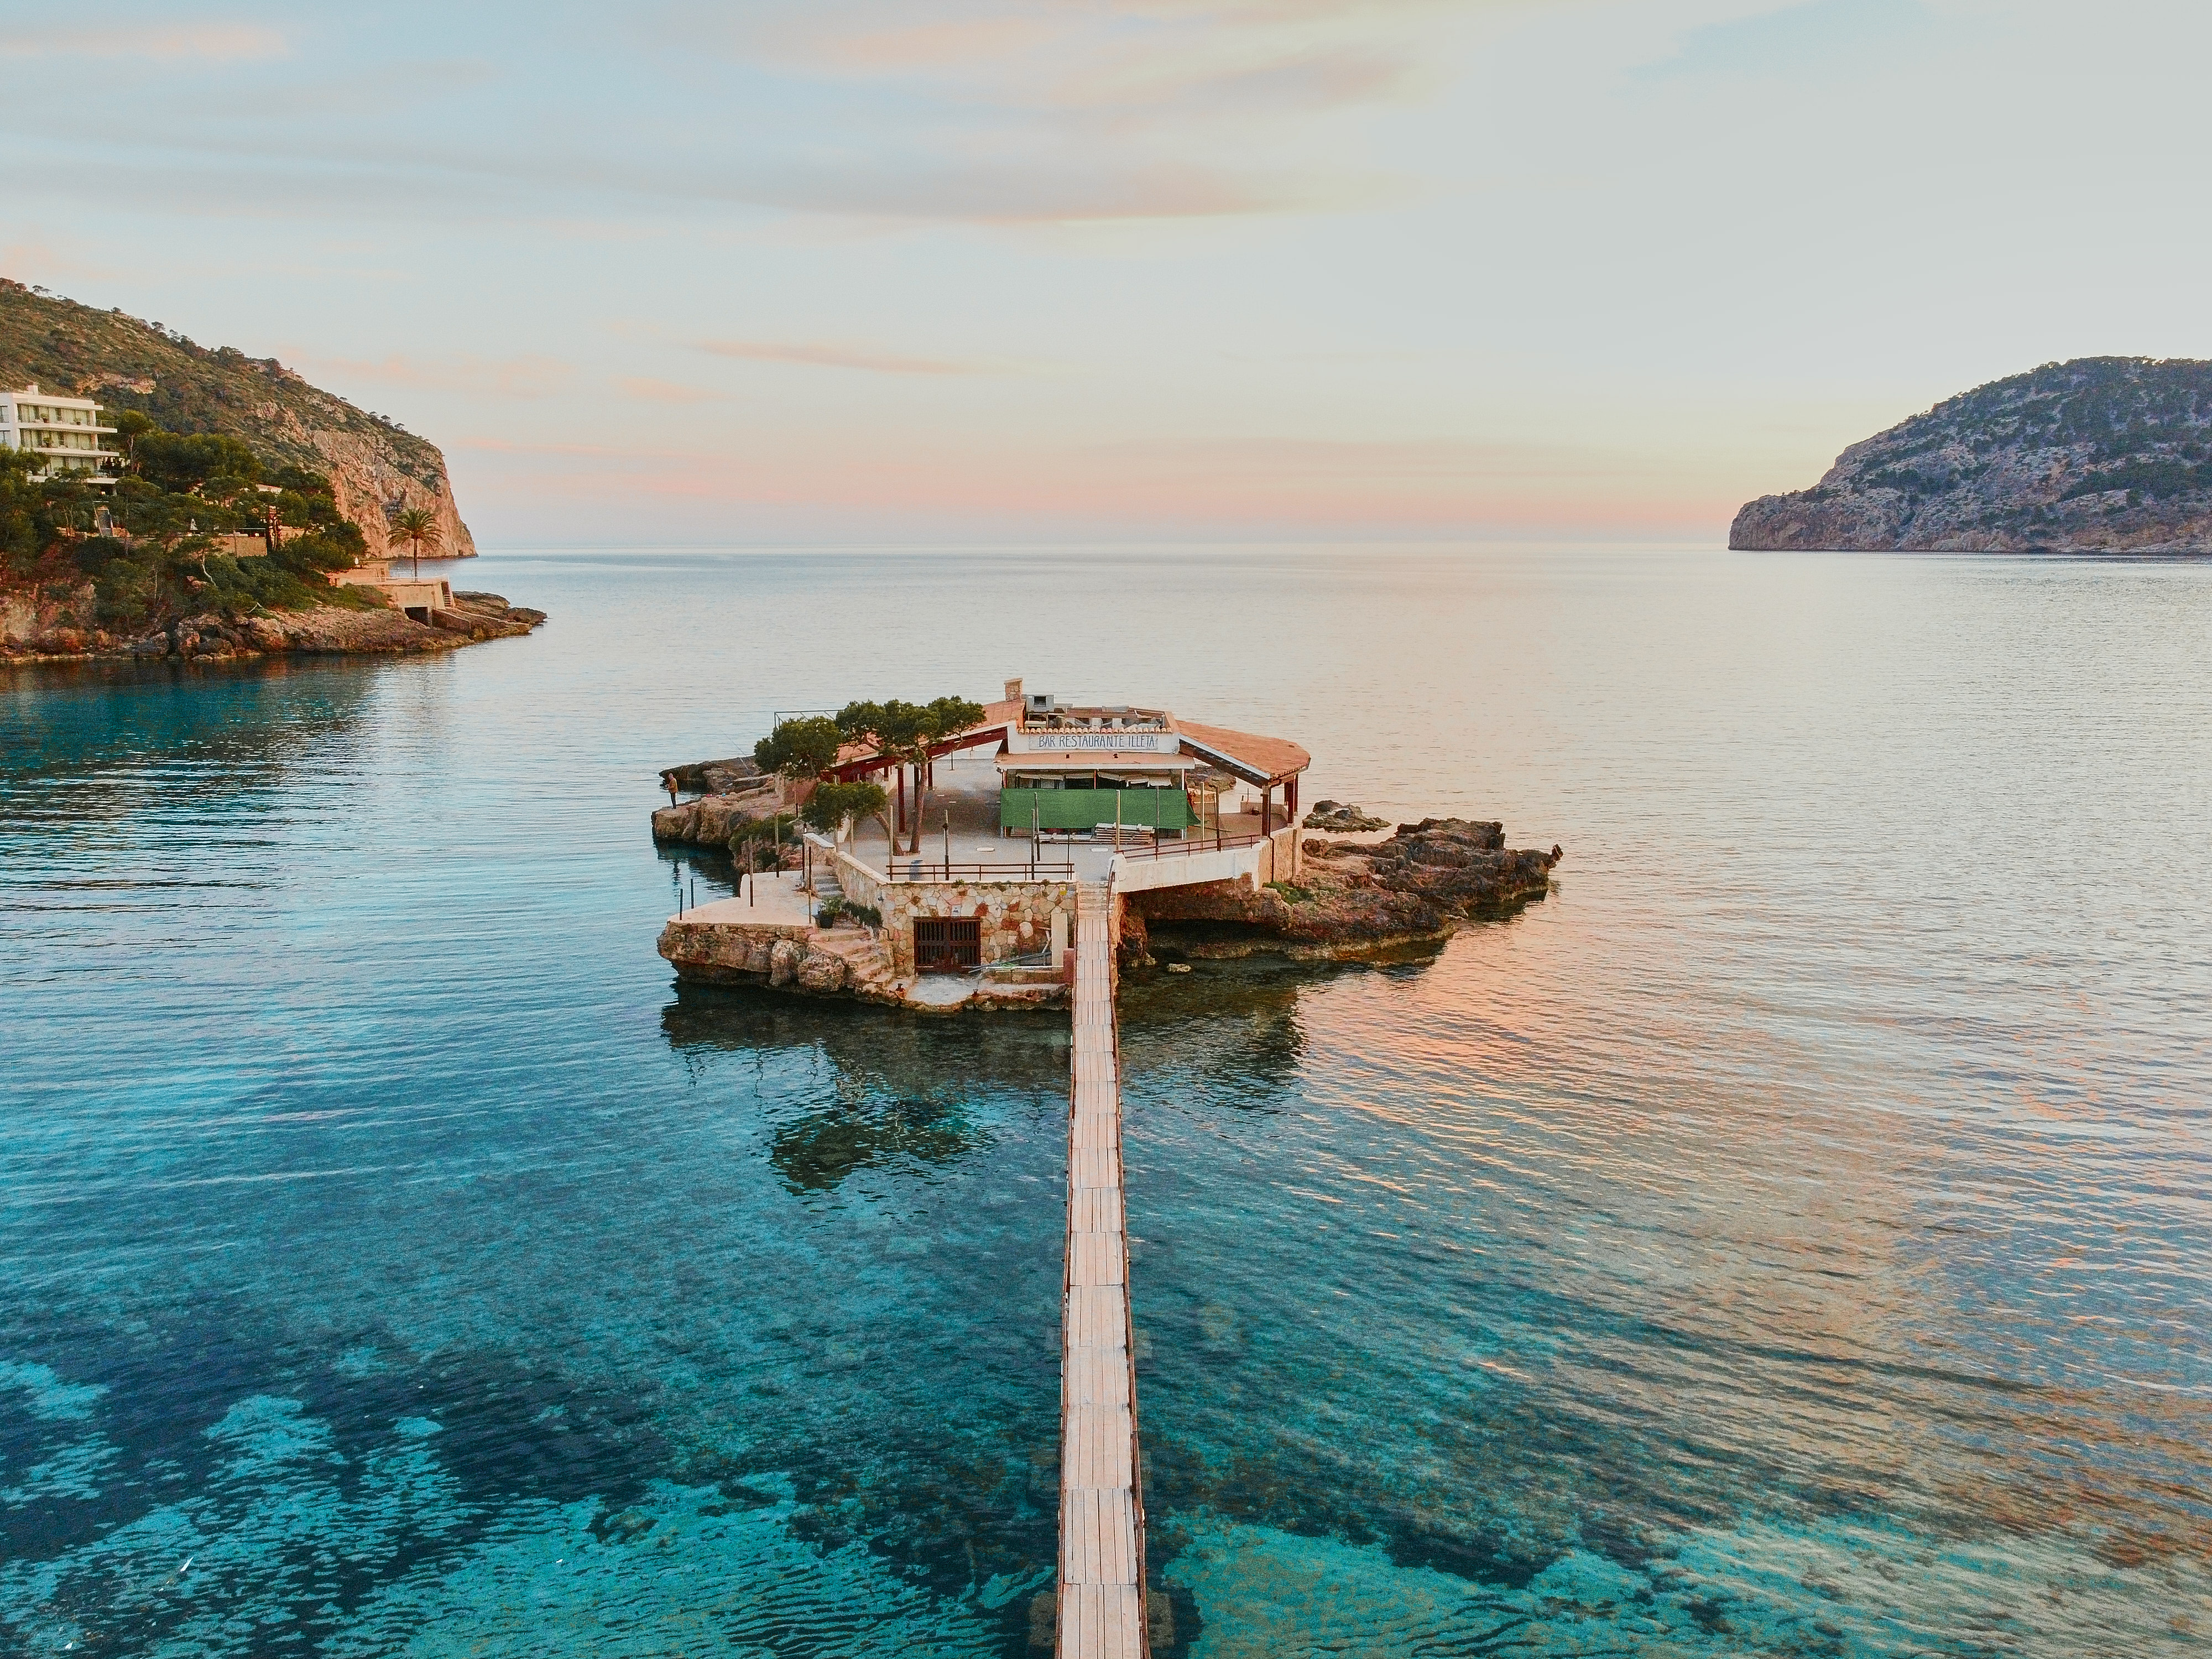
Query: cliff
x: 373, y: 467
x: 2099, y: 455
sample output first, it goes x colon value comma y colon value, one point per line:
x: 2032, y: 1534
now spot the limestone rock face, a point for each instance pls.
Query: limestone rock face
x: 783, y: 959
x: 2101, y: 454
x: 709, y: 820
x: 374, y: 465
x: 1341, y: 819
x: 370, y: 480
x: 819, y: 970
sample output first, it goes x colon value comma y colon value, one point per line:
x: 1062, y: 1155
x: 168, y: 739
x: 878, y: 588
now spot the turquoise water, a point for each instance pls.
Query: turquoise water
x: 1790, y: 1237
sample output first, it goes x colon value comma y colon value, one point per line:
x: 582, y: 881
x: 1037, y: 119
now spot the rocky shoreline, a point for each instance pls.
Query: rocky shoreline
x: 2105, y: 455
x: 326, y: 630
x: 1401, y: 895
x: 1354, y: 899
x: 733, y: 793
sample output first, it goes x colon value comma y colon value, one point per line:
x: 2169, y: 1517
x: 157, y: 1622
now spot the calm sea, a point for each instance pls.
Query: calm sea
x: 1791, y: 1236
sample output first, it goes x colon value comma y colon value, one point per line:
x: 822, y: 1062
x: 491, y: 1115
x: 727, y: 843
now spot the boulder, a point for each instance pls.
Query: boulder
x: 1342, y: 819
x: 708, y: 821
x: 783, y: 961
x: 821, y: 971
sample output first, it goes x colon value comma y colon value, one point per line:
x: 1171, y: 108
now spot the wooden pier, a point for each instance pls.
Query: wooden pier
x: 1101, y: 1509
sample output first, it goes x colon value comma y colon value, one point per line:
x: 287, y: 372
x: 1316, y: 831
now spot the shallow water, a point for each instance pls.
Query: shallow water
x: 1791, y: 1237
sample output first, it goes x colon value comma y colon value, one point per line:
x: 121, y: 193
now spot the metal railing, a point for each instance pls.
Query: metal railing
x: 905, y: 869
x: 1194, y: 844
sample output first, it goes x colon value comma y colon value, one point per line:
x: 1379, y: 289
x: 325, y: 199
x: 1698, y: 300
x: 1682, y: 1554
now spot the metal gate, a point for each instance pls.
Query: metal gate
x: 947, y: 945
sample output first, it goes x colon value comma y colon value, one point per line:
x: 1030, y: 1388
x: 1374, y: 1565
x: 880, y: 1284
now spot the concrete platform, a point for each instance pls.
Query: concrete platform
x: 770, y: 899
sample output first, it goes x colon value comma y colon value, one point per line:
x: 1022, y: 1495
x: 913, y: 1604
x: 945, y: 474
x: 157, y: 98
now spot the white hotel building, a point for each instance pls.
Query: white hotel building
x: 65, y: 431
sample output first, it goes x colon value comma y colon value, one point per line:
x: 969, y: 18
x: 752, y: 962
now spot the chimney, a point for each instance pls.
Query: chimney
x: 1013, y: 690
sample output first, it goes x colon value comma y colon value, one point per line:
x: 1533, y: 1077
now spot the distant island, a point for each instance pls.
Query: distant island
x: 2097, y: 455
x: 160, y: 498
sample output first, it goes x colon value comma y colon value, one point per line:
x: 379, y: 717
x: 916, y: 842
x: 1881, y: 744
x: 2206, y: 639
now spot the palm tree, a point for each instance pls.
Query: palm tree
x: 416, y: 524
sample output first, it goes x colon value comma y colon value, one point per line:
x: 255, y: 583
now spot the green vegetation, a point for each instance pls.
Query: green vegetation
x: 777, y: 828
x: 800, y: 748
x: 158, y: 558
x: 1296, y: 895
x: 143, y: 370
x: 414, y: 525
x: 832, y: 908
x: 908, y: 731
x: 2159, y: 478
x: 831, y: 804
x: 2020, y: 463
x: 807, y: 747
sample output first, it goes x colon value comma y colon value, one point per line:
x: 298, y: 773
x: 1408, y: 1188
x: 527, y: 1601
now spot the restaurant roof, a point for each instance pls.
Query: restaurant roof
x: 1251, y: 758
x: 1255, y: 759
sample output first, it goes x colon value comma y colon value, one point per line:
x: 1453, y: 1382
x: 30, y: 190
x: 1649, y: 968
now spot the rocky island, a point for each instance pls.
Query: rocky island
x: 958, y: 886
x: 2097, y: 455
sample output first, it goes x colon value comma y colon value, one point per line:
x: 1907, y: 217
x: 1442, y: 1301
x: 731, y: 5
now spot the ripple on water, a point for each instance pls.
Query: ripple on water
x: 1788, y: 1237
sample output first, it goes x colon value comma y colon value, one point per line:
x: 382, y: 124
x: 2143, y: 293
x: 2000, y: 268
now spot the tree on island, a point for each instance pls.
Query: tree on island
x: 805, y: 748
x: 831, y: 804
x: 907, y: 732
x: 801, y: 751
x: 414, y: 525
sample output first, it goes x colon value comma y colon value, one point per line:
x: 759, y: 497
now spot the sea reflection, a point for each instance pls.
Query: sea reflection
x: 1788, y: 1238
x: 1527, y: 1361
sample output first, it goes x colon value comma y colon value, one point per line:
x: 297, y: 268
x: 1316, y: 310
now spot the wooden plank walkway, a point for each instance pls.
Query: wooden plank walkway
x: 1101, y: 1510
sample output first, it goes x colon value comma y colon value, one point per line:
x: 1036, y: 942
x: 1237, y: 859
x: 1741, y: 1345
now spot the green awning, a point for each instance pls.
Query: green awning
x: 1086, y: 809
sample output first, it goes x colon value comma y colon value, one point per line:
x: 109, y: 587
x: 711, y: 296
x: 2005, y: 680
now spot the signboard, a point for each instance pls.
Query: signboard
x: 1126, y: 742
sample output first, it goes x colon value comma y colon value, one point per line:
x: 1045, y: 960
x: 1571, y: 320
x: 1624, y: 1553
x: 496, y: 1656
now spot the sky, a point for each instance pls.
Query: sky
x: 777, y: 271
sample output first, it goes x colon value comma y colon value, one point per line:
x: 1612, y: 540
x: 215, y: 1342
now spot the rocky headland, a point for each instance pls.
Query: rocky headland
x: 375, y: 466
x: 1353, y: 898
x: 321, y: 631
x: 2097, y: 455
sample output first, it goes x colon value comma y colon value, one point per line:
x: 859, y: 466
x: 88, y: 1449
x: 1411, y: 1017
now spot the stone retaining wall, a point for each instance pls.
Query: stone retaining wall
x: 724, y: 953
x: 1017, y: 916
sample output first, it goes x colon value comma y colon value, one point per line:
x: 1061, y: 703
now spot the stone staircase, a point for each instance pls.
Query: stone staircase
x: 867, y: 964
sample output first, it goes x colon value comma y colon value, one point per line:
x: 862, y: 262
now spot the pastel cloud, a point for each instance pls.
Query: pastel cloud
x: 1421, y: 486
x: 649, y: 390
x: 527, y: 377
x: 1091, y: 110
x: 814, y: 355
x: 222, y: 43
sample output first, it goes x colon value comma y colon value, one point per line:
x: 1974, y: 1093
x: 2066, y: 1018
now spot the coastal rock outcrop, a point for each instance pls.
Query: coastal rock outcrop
x: 324, y: 630
x: 822, y: 960
x: 1341, y: 819
x: 737, y: 794
x: 1352, y: 898
x: 2101, y: 454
